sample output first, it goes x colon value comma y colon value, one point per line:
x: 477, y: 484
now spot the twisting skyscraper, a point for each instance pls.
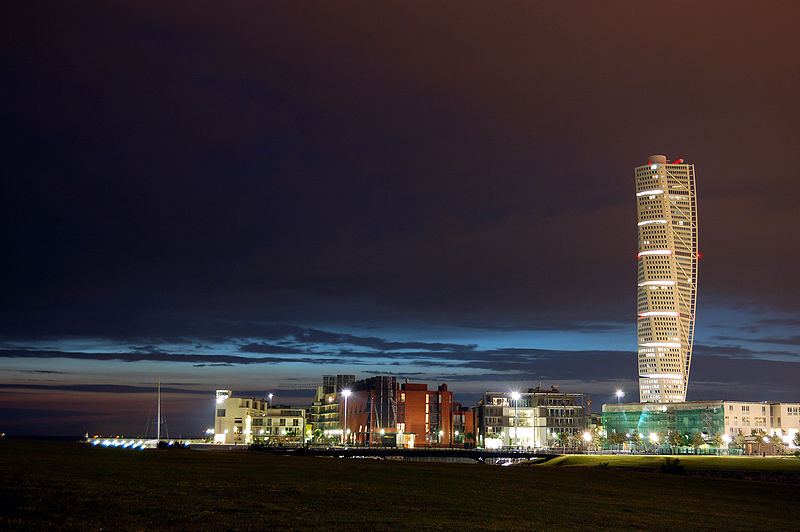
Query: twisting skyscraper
x: 667, y: 277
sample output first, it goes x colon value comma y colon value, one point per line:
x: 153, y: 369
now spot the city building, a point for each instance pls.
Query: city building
x: 381, y: 411
x: 464, y: 426
x: 368, y: 411
x: 712, y: 418
x: 531, y: 419
x: 667, y: 257
x: 424, y: 417
x: 324, y: 416
x: 245, y: 420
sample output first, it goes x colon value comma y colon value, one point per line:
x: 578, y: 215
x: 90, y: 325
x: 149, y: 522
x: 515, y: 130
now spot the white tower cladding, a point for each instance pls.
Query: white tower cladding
x: 666, y: 209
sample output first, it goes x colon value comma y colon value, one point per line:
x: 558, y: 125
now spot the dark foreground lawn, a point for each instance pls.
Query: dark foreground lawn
x: 48, y: 485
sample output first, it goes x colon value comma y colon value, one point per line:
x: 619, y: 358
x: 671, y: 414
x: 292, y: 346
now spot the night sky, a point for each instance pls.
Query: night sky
x: 249, y: 197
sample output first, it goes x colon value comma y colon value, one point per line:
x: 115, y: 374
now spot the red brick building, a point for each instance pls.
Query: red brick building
x: 464, y: 432
x: 424, y: 416
x: 381, y: 411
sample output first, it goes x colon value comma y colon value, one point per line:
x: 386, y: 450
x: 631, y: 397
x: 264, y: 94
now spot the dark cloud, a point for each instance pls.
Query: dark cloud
x: 271, y: 179
x: 160, y: 357
x: 737, y: 351
x: 101, y: 388
x: 263, y: 347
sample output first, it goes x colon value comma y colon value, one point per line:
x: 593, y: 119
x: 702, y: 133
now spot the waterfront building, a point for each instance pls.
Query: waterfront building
x: 326, y: 427
x: 531, y: 419
x: 380, y: 411
x: 667, y: 257
x: 245, y: 420
x: 718, y: 418
x: 324, y: 417
x: 464, y: 426
x: 425, y: 417
x: 369, y: 413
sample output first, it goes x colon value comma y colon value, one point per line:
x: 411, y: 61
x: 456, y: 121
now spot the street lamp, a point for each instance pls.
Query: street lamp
x: 269, y: 396
x: 345, y: 394
x: 620, y: 395
x: 515, y: 397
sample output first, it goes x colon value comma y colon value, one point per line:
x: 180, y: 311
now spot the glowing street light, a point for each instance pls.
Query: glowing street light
x: 270, y: 401
x: 515, y: 396
x: 653, y: 438
x: 345, y: 394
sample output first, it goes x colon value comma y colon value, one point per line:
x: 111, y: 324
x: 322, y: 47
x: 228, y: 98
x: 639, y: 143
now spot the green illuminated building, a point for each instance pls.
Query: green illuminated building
x: 645, y: 418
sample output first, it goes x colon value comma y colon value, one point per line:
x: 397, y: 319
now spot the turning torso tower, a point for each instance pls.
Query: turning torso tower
x: 666, y: 210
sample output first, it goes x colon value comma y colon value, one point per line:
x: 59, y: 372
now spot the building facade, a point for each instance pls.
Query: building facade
x: 464, y: 426
x: 381, y: 411
x: 369, y: 413
x: 326, y: 426
x: 667, y: 258
x: 246, y: 420
x: 533, y: 419
x: 424, y: 417
x: 712, y: 418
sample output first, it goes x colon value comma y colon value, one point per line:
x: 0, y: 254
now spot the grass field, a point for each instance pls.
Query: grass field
x: 690, y: 462
x: 48, y: 485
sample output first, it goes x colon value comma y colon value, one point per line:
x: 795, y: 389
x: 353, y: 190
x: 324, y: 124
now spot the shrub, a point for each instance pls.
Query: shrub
x: 672, y: 466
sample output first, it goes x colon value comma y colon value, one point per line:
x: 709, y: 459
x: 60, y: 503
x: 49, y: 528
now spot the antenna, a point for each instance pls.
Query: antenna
x: 158, y: 421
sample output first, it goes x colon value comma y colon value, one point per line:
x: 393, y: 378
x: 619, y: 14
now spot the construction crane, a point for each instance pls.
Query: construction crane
x: 299, y: 386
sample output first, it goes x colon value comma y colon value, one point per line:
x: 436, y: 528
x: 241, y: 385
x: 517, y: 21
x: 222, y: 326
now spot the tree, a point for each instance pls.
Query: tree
x: 563, y: 439
x: 598, y: 437
x: 797, y: 439
x: 675, y: 438
x: 717, y: 441
x: 616, y: 438
x: 636, y: 438
x: 697, y: 440
x: 469, y: 437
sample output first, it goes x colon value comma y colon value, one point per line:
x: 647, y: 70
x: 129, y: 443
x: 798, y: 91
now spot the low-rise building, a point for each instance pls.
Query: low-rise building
x: 245, y: 420
x: 326, y: 426
x: 531, y: 419
x: 424, y: 416
x: 720, y: 418
x: 380, y: 411
x: 464, y: 426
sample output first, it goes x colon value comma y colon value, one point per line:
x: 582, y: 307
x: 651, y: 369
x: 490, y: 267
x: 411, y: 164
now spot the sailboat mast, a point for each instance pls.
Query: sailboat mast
x: 158, y: 423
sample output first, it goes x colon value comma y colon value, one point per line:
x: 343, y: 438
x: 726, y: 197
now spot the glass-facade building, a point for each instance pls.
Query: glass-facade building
x: 667, y: 257
x: 706, y: 417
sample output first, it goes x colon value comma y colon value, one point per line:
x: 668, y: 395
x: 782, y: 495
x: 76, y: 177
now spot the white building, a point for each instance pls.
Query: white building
x: 776, y: 419
x: 667, y: 277
x: 531, y: 419
x: 246, y: 420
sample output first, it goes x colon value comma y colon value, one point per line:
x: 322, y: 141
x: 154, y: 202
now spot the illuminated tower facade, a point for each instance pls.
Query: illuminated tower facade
x: 666, y: 210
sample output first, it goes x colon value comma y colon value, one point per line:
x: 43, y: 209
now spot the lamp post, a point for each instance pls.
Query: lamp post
x: 345, y: 394
x: 515, y: 397
x: 269, y: 396
x: 587, y: 437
